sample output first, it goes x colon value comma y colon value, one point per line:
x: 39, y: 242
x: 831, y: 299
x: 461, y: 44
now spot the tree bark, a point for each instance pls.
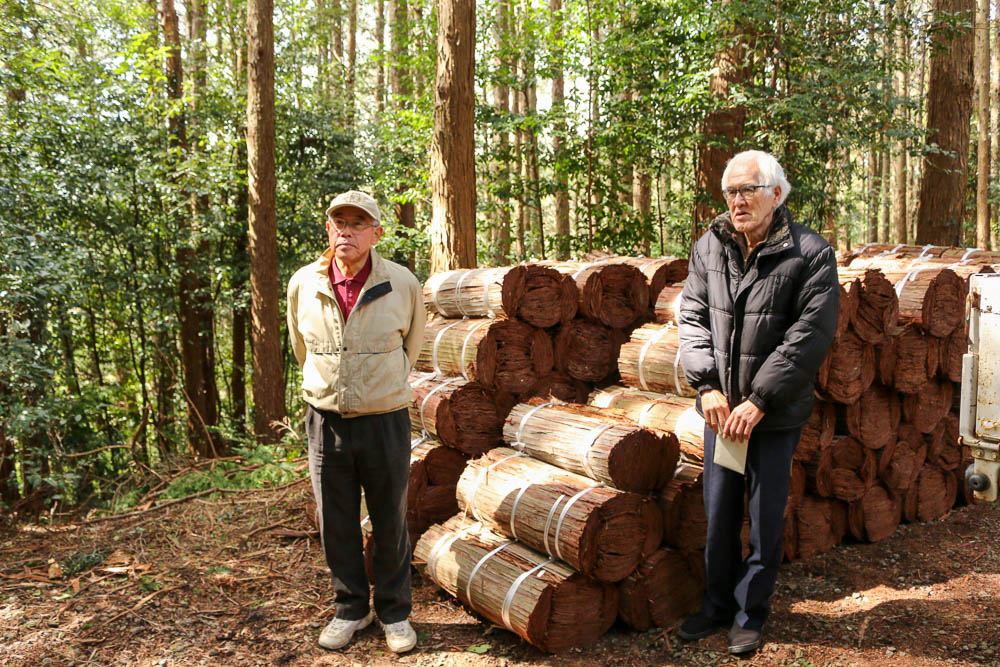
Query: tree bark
x: 562, y: 239
x: 949, y: 102
x: 197, y: 350
x: 268, y: 374
x: 501, y: 101
x: 722, y: 128
x: 380, y: 64
x: 399, y: 81
x: 352, y: 55
x: 453, y: 166
x: 982, y: 71
x: 901, y: 81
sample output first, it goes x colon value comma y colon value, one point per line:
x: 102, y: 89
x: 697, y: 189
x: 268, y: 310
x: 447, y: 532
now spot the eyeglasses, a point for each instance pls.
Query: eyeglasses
x: 748, y: 191
x: 356, y: 226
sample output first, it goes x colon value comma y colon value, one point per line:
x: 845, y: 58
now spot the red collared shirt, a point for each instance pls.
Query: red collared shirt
x: 346, y: 290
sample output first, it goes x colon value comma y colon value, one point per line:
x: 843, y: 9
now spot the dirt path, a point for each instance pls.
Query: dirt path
x: 226, y: 582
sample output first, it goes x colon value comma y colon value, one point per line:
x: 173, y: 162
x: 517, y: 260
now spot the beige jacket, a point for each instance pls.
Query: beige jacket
x: 359, y: 367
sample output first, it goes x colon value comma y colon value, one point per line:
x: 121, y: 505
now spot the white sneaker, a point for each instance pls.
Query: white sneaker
x: 339, y: 631
x: 400, y: 637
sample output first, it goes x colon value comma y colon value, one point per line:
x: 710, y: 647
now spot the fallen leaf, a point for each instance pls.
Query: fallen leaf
x: 55, y: 572
x: 75, y: 584
x: 479, y: 648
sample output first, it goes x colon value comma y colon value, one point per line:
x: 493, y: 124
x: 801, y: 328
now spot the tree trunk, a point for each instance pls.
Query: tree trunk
x: 642, y: 201
x: 885, y: 203
x: 949, y: 102
x: 501, y: 100
x: 995, y: 124
x: 380, y: 63
x: 268, y: 374
x: 982, y: 71
x: 901, y: 81
x: 874, y: 190
x: 453, y: 167
x: 399, y: 80
x: 197, y: 350
x: 240, y: 311
x: 722, y: 128
x: 352, y: 55
x: 562, y: 239
x: 519, y: 159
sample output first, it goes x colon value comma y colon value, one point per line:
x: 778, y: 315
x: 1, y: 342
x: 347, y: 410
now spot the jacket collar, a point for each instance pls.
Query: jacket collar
x: 378, y: 280
x: 778, y: 232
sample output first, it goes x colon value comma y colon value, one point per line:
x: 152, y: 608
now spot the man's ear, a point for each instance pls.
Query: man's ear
x: 378, y: 234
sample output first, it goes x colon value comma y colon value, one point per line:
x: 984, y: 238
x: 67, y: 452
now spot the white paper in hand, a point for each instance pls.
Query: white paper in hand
x: 731, y: 454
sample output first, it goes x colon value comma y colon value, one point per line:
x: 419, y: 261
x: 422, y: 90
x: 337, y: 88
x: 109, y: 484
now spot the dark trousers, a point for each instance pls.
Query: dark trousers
x: 738, y: 588
x: 370, y: 452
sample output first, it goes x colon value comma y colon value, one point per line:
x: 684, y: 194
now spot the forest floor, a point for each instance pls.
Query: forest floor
x: 236, y: 580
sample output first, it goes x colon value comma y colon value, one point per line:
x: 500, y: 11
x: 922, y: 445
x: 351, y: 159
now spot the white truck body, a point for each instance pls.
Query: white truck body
x: 979, y: 417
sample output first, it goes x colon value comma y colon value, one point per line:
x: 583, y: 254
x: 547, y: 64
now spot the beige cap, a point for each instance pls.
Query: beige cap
x: 359, y: 199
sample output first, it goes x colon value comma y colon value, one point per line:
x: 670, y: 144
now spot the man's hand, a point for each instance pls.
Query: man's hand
x: 715, y: 407
x: 741, y: 421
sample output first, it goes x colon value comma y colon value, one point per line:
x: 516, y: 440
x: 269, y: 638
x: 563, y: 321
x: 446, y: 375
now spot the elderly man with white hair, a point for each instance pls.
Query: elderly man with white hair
x: 757, y: 318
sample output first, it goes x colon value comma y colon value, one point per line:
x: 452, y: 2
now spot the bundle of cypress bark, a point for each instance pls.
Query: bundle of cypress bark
x: 848, y: 370
x: 684, y: 523
x: 650, y: 360
x: 659, y: 271
x: 908, y: 359
x: 613, y: 294
x: 501, y: 354
x: 877, y: 304
x: 461, y: 414
x: 599, y: 531
x: 561, y: 386
x: 875, y: 515
x: 541, y: 599
x: 821, y: 524
x: 667, y: 308
x: 587, y: 441
x: 818, y: 431
x: 662, y: 412
x: 662, y: 590
x: 434, y: 473
x: 538, y: 295
x: 588, y: 351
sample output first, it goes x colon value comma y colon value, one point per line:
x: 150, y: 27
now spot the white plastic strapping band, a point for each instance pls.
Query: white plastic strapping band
x: 509, y: 598
x: 482, y: 476
x: 645, y: 348
x: 482, y: 561
x: 423, y: 403
x: 562, y: 515
x: 465, y: 345
x: 596, y: 432
x: 434, y: 349
x: 527, y: 416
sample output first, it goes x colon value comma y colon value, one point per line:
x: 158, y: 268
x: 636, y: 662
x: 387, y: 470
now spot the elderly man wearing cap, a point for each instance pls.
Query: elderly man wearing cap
x: 356, y: 324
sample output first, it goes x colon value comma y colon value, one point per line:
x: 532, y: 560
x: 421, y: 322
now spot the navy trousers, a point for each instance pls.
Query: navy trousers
x: 736, y: 588
x: 371, y: 452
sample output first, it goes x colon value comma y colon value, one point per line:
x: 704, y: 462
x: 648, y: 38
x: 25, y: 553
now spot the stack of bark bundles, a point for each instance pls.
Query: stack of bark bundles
x: 461, y: 414
x: 591, y: 442
x: 599, y: 531
x: 538, y: 295
x: 500, y: 354
x: 650, y: 360
x: 541, y: 599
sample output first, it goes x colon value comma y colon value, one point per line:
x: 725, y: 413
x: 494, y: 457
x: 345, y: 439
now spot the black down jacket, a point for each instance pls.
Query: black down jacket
x: 759, y: 329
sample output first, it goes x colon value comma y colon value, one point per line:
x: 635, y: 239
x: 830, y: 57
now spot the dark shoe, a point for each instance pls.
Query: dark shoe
x: 744, y: 640
x: 698, y: 626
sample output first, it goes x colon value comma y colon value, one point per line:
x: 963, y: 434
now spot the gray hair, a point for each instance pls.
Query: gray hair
x: 769, y: 171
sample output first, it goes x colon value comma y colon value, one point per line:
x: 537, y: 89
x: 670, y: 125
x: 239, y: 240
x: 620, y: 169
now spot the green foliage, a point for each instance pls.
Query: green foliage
x: 264, y: 466
x: 81, y: 561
